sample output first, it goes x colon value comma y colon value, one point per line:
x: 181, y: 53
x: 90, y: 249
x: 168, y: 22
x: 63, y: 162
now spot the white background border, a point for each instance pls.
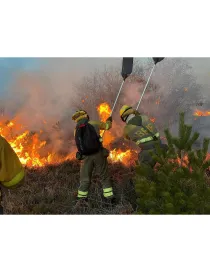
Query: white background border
x: 104, y: 243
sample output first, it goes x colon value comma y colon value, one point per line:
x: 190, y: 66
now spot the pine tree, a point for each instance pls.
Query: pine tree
x: 179, y: 184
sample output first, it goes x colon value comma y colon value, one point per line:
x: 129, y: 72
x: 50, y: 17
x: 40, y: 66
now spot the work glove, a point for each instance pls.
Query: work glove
x: 109, y: 119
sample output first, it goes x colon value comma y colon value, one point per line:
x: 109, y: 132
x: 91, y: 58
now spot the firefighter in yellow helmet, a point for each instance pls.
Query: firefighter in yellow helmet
x: 92, y: 154
x: 12, y: 172
x: 142, y: 131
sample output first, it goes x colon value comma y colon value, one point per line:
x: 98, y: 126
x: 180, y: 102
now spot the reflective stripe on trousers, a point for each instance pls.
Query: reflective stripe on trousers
x: 108, y: 192
x: 82, y: 194
x: 146, y: 139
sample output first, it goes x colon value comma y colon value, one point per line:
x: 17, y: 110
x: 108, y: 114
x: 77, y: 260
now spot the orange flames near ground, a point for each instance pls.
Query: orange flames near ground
x: 29, y: 146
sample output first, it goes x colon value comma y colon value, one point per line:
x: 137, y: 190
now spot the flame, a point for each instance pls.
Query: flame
x: 10, y: 124
x: 104, y: 111
x: 199, y: 113
x: 28, y: 145
x: 119, y: 155
x: 116, y: 155
x: 33, y: 150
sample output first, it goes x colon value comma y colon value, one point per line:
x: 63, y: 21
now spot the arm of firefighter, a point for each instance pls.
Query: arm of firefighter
x: 99, y: 125
x: 105, y: 125
x: 12, y: 173
x: 125, y: 133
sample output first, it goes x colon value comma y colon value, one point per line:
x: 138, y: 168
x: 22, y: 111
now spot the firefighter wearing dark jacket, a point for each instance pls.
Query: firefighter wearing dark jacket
x: 141, y: 130
x: 97, y: 160
x: 12, y: 173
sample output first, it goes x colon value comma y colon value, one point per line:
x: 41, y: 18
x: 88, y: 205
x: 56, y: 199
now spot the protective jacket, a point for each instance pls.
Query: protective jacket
x: 140, y: 129
x: 11, y: 170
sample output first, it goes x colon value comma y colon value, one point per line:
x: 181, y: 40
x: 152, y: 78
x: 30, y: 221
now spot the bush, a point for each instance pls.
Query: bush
x: 178, y: 183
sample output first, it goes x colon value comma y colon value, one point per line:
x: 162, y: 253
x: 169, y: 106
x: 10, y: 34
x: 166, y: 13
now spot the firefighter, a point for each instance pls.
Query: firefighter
x: 141, y: 131
x: 96, y: 160
x: 12, y: 172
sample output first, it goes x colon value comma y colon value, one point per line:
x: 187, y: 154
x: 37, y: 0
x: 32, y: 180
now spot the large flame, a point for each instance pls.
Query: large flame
x: 104, y: 112
x: 28, y: 145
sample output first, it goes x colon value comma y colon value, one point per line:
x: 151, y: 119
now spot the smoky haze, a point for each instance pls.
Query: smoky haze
x: 39, y: 99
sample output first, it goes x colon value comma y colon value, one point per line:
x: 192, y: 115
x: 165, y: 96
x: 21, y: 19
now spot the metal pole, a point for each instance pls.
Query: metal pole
x: 145, y: 88
x: 117, y: 97
x: 115, y: 103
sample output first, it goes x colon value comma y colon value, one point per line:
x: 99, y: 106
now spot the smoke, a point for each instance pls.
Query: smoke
x: 46, y: 98
x: 43, y: 101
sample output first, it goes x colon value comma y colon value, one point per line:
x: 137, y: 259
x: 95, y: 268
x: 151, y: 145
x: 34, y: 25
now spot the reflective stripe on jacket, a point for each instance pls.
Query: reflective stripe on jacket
x: 137, y: 133
x: 147, y: 139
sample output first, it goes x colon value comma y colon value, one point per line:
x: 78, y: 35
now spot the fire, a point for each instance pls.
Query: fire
x: 27, y: 145
x: 33, y: 150
x: 119, y: 155
x: 104, y: 111
x: 116, y: 155
x: 199, y: 113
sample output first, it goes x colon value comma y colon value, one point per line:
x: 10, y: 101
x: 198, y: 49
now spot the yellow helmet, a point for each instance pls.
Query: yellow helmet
x: 80, y: 114
x: 124, y: 111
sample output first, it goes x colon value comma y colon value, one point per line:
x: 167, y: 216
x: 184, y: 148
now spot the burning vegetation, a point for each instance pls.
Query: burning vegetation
x: 199, y: 113
x: 116, y: 155
x: 33, y: 150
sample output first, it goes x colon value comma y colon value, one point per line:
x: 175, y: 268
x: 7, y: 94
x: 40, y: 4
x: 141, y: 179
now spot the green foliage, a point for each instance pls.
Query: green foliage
x: 178, y: 185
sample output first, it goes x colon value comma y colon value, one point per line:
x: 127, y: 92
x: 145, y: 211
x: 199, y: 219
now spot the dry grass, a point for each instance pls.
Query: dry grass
x: 52, y: 190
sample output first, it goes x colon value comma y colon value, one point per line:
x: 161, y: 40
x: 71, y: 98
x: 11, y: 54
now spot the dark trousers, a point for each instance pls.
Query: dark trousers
x: 98, y: 161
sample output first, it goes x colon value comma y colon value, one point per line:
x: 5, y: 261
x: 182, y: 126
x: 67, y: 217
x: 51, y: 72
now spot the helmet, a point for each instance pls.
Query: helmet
x: 79, y: 114
x: 124, y: 112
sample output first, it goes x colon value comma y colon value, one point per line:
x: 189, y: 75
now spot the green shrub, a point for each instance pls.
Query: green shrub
x: 179, y: 183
